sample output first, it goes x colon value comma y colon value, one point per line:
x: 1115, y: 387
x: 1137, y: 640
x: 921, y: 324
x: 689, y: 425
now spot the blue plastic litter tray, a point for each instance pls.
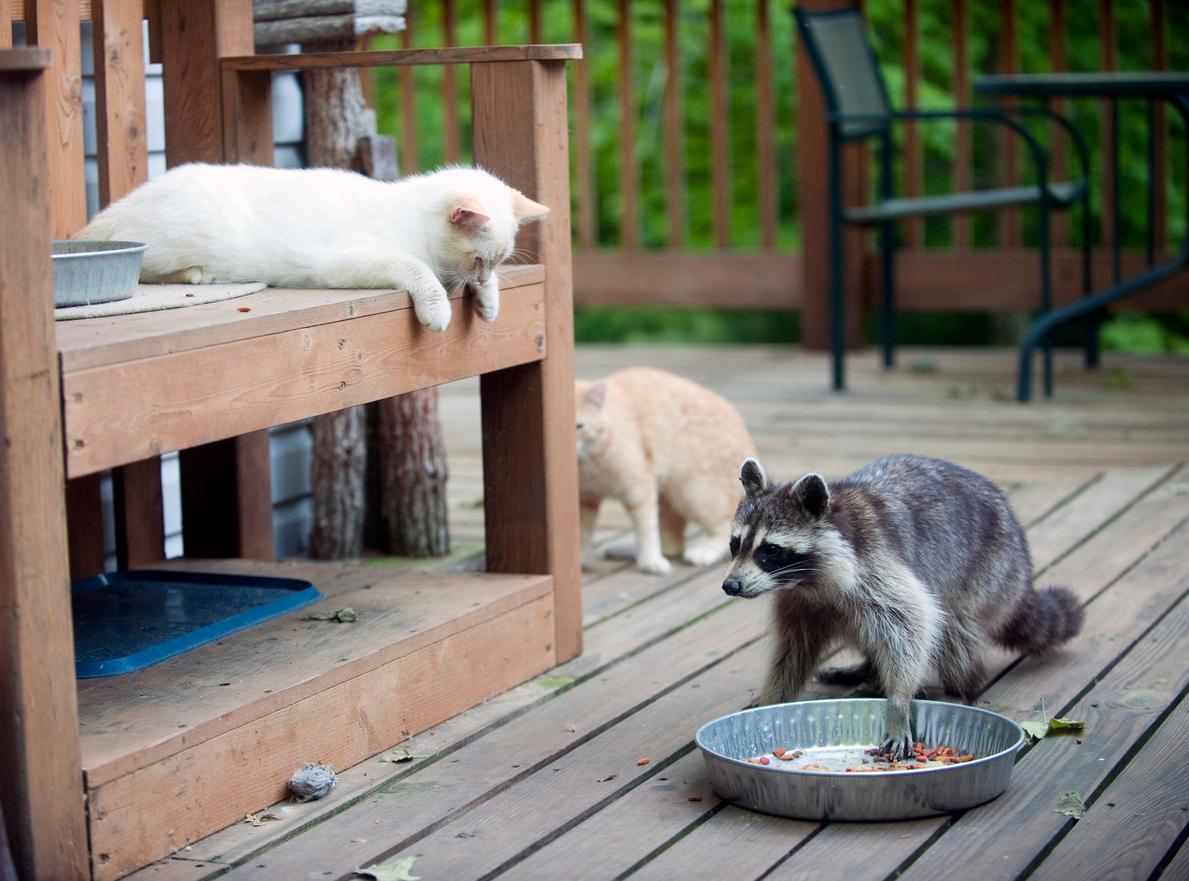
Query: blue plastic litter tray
x: 125, y: 621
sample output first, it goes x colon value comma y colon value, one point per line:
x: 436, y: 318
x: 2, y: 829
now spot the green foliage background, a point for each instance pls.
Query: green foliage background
x: 886, y: 27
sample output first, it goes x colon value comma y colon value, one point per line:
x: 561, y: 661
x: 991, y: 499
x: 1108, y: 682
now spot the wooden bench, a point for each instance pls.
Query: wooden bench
x: 108, y: 775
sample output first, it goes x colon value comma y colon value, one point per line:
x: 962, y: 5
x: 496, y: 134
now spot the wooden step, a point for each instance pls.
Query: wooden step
x: 176, y: 751
x: 209, y: 372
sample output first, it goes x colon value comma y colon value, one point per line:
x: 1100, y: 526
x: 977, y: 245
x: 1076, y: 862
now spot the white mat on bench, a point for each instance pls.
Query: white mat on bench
x: 151, y: 297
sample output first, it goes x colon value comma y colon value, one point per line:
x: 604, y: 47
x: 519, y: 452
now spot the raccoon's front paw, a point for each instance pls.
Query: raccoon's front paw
x: 434, y: 314
x: 897, y: 746
x: 657, y: 565
x: 487, y: 299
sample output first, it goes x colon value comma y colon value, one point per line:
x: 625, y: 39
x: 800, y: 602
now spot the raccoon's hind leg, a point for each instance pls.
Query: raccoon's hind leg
x: 958, y: 662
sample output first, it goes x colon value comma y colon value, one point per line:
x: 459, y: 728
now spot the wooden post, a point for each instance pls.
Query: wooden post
x: 226, y: 499
x: 41, y: 781
x: 55, y: 25
x: 123, y: 166
x: 530, y: 472
x: 812, y: 163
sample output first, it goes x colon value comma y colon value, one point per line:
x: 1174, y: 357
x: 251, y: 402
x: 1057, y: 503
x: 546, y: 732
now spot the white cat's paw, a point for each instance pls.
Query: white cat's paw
x: 434, y: 315
x: 657, y: 565
x: 703, y: 554
x: 487, y: 300
x: 189, y: 275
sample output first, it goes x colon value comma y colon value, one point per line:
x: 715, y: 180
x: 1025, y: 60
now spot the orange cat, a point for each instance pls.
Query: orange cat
x: 669, y: 450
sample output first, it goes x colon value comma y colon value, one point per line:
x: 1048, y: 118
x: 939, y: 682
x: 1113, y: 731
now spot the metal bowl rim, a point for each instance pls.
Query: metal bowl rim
x: 113, y: 248
x: 871, y: 700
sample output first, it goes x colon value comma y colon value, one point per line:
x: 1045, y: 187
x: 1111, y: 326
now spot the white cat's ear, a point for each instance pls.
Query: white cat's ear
x: 468, y: 217
x: 525, y: 209
x: 597, y: 394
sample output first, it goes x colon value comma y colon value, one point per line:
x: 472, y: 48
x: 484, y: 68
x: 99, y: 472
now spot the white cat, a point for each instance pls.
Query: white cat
x: 323, y: 227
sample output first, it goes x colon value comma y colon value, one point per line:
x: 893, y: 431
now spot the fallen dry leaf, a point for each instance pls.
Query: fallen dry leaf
x: 643, y: 761
x: 1071, y: 805
x: 258, y: 819
x: 397, y: 870
x: 397, y: 756
x: 245, y: 308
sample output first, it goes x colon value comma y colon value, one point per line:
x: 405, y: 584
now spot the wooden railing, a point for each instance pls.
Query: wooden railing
x: 705, y: 105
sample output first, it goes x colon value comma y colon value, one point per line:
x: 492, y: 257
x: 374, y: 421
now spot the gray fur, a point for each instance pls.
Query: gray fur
x: 914, y: 561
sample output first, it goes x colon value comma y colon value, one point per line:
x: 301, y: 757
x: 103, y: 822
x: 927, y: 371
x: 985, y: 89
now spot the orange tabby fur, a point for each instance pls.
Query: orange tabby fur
x: 669, y: 451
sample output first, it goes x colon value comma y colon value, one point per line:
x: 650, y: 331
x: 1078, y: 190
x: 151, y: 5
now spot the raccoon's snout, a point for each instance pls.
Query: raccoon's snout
x: 732, y: 587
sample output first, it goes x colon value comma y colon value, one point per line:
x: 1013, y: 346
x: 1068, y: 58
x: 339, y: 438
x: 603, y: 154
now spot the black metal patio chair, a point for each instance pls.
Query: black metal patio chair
x: 858, y: 109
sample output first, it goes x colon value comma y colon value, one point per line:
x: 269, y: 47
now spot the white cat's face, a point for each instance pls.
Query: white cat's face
x: 590, y: 422
x: 481, y: 217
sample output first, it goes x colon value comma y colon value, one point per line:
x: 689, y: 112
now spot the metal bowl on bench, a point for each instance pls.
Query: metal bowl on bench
x: 88, y: 272
x: 834, y: 733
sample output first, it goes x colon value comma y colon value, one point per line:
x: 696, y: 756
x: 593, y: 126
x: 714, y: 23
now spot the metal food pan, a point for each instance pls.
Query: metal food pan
x: 88, y: 272
x: 832, y: 726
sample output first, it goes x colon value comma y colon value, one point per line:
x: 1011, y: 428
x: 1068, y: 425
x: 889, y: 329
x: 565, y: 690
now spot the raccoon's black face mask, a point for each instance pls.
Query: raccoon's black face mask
x: 774, y: 534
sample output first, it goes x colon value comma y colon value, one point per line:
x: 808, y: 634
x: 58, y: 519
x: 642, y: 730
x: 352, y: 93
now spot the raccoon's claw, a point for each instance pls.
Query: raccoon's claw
x: 897, y: 747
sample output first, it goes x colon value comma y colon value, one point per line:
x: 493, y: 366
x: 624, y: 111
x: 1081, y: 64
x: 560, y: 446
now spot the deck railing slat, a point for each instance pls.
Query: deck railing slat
x: 450, y: 83
x: 629, y: 235
x: 1058, y: 151
x: 1159, y: 28
x: 584, y: 167
x: 409, y: 157
x: 675, y: 207
x: 914, y: 229
x: 719, y: 127
x: 961, y: 89
x: 1009, y: 62
x: 1108, y: 59
x: 119, y: 97
x: 765, y: 129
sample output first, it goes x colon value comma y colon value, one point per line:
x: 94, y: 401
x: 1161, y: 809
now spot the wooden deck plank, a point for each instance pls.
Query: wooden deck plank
x: 425, y: 798
x: 583, y: 780
x: 633, y: 631
x: 1131, y: 824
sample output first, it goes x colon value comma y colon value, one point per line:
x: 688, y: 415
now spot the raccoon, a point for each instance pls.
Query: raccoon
x: 916, y: 562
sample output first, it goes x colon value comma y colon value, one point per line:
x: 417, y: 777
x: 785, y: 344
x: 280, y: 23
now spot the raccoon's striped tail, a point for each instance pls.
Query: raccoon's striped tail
x: 1042, y: 620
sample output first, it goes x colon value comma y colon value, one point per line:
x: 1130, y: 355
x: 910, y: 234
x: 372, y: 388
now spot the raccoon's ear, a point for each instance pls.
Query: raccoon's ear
x: 751, y: 475
x: 812, y: 494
